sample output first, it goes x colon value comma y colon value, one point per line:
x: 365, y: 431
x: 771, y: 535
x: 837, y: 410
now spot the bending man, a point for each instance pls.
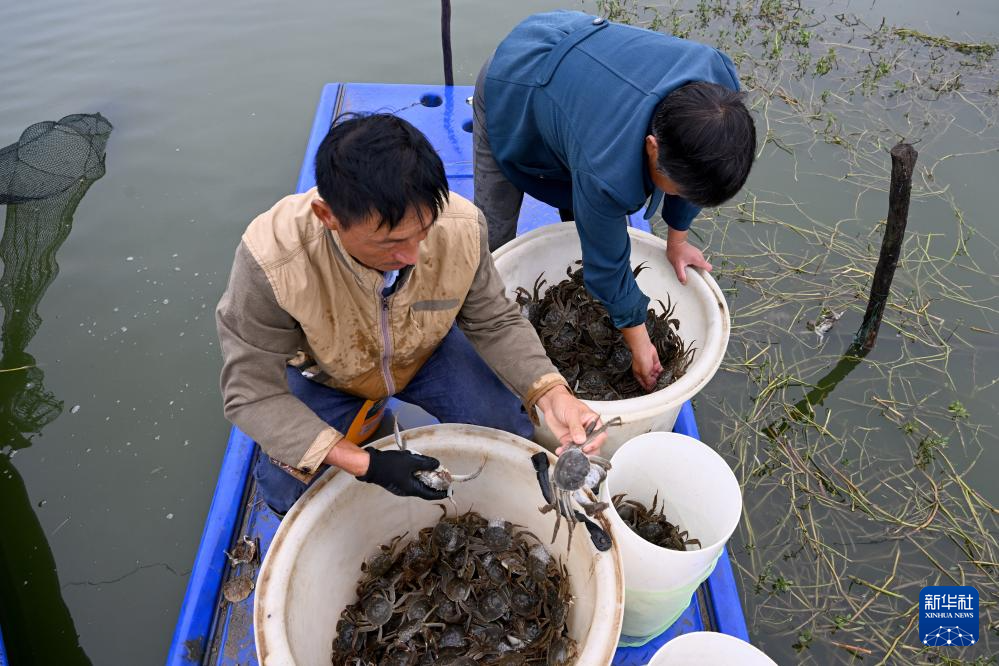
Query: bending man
x: 597, y: 119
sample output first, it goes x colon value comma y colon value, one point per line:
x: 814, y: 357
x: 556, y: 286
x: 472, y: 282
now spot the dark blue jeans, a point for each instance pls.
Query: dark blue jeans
x: 454, y: 386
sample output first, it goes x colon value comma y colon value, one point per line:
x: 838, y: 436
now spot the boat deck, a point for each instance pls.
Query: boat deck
x: 211, y: 630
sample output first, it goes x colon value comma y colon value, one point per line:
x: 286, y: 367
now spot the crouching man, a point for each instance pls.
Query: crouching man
x: 377, y: 283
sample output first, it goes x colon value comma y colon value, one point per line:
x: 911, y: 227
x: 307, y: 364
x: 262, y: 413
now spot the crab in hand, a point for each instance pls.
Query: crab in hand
x: 576, y: 478
x: 440, y: 478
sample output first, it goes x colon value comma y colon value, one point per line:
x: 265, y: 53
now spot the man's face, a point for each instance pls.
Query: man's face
x: 374, y: 244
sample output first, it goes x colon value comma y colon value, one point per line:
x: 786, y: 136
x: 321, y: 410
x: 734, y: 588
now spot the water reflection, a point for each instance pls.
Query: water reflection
x: 43, y: 178
x: 804, y: 409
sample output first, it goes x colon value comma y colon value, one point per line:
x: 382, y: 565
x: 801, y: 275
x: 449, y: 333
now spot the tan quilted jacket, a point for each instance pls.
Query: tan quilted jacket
x: 296, y: 296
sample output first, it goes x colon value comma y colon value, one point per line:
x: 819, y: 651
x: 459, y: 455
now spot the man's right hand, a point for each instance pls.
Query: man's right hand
x: 393, y: 471
x: 645, y: 363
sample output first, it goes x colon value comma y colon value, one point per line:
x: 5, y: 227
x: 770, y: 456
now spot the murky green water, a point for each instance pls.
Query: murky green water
x: 103, y: 497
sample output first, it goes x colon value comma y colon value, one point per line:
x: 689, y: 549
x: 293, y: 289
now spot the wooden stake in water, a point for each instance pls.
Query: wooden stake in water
x: 903, y: 161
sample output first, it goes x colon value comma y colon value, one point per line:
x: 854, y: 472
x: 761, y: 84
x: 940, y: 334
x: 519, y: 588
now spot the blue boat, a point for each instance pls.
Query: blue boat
x: 210, y: 630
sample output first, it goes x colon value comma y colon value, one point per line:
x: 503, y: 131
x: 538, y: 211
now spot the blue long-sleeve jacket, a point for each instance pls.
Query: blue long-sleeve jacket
x: 569, y: 102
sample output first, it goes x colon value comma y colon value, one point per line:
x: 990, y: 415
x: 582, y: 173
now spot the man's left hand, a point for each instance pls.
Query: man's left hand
x: 681, y: 254
x: 567, y: 416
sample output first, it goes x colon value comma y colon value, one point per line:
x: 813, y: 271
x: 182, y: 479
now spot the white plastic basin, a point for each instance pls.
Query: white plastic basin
x: 700, y: 307
x: 311, y: 570
x: 702, y: 496
x: 708, y: 648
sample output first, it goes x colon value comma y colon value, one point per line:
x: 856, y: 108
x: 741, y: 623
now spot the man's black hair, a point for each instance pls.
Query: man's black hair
x: 707, y: 141
x: 380, y: 165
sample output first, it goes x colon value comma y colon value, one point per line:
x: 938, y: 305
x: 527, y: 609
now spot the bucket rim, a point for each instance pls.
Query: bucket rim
x: 694, y: 637
x: 704, y: 366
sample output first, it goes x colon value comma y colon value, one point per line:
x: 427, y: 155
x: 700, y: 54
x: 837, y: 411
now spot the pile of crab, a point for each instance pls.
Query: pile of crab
x: 465, y: 591
x: 588, y: 350
x: 651, y: 523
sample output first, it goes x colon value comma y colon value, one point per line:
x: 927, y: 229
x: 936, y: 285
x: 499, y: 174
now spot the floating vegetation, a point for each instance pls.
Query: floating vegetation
x: 585, y: 346
x: 651, y: 523
x: 466, y: 591
x: 858, y: 473
x: 968, y: 48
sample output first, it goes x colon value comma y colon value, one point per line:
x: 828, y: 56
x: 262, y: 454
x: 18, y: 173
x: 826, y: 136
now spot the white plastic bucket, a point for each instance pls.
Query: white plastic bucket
x: 311, y: 570
x: 700, y: 307
x: 702, y: 496
x: 708, y: 648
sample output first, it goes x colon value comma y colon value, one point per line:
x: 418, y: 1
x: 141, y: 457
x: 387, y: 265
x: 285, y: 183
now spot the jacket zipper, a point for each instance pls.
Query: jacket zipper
x: 387, y: 346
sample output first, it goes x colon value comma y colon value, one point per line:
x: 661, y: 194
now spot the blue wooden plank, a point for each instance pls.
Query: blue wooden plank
x: 440, y: 112
x: 462, y: 185
x: 197, y: 613
x: 534, y: 214
x: 320, y: 126
x: 726, y: 605
x: 686, y: 424
x: 689, y: 621
x: 637, y: 221
x: 235, y: 645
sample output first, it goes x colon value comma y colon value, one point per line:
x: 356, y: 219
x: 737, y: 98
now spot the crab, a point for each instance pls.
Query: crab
x: 529, y: 302
x: 491, y: 606
x: 244, y: 552
x: 574, y: 474
x: 377, y: 609
x: 236, y: 589
x: 380, y: 563
x: 563, y: 651
x: 440, y: 478
x: 651, y: 523
x: 824, y: 324
x: 414, y: 623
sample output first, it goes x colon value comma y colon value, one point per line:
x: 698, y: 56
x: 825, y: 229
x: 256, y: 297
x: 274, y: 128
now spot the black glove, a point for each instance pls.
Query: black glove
x: 393, y: 471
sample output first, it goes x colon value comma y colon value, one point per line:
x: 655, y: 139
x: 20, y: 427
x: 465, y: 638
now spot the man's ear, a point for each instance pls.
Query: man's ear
x: 322, y: 210
x: 651, y: 146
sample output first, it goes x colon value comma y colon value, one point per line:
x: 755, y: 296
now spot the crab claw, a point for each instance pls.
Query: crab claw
x: 601, y: 540
x: 397, y: 433
x: 459, y: 478
x: 592, y: 431
x: 540, y: 462
x: 591, y: 507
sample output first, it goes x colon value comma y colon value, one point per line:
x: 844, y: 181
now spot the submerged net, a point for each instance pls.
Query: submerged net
x: 43, y: 178
x: 53, y: 156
